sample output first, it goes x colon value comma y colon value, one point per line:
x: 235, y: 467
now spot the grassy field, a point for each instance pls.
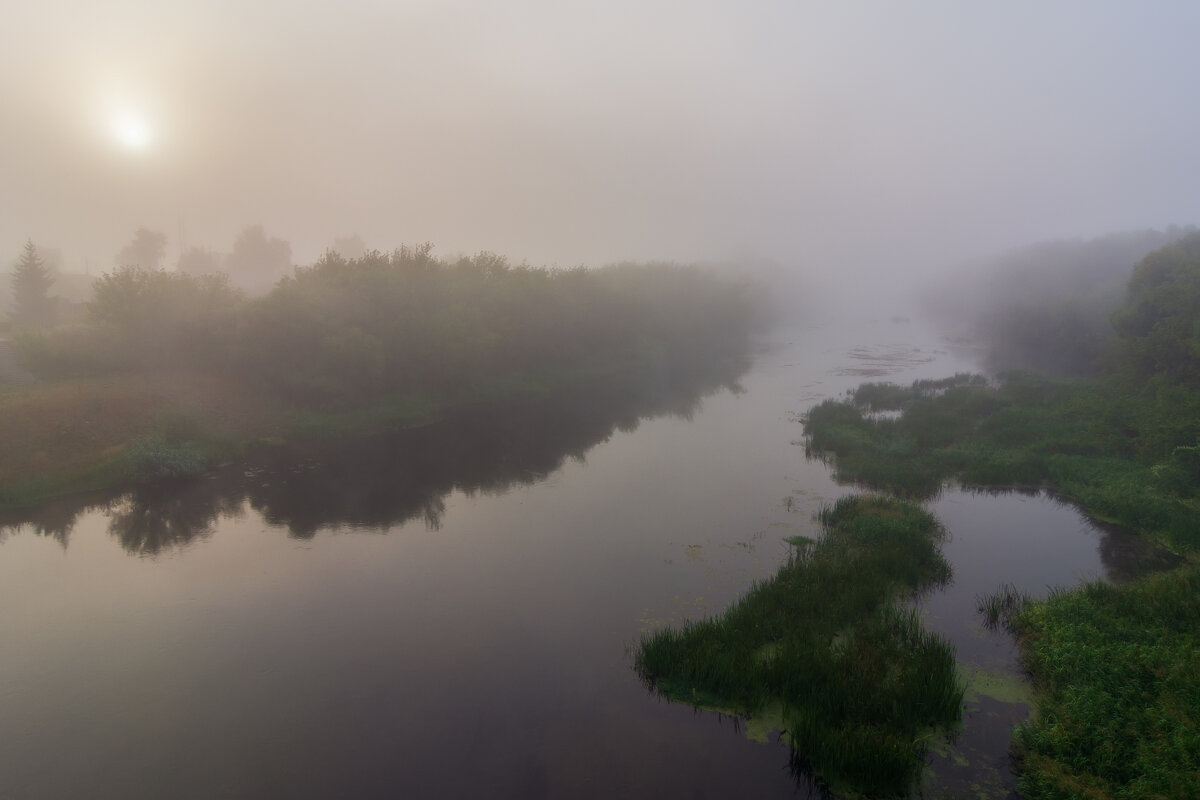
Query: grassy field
x: 856, y: 682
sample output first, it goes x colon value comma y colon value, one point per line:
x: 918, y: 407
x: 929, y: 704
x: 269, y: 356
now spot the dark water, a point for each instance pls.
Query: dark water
x: 446, y: 612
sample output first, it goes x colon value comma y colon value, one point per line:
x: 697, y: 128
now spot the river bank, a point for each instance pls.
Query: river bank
x: 1114, y: 667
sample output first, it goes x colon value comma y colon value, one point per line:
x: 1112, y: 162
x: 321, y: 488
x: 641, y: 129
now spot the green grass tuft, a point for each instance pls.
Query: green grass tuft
x: 1000, y: 607
x: 862, y: 686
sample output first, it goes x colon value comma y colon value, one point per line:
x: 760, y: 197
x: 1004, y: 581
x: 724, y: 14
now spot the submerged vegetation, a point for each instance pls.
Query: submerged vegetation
x: 858, y: 685
x: 1115, y: 668
x: 346, y: 345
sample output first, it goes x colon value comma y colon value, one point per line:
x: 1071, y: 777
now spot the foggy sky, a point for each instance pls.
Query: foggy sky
x: 848, y: 138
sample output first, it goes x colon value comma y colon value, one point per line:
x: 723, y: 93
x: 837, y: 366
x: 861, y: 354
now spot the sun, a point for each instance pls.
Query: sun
x: 131, y: 130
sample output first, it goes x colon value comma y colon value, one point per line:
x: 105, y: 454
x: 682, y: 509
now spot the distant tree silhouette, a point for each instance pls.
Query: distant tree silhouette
x: 258, y: 261
x: 31, y: 282
x: 199, y: 261
x: 349, y: 247
x: 147, y: 250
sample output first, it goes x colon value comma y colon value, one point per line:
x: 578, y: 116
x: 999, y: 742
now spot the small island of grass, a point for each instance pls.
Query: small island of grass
x: 828, y: 648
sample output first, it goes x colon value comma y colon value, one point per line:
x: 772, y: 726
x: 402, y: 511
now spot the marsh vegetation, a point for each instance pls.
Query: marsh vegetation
x: 1114, y: 666
x: 828, y: 648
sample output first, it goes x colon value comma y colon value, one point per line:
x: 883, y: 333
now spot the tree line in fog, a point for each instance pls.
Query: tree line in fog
x: 393, y: 321
x: 1048, y: 308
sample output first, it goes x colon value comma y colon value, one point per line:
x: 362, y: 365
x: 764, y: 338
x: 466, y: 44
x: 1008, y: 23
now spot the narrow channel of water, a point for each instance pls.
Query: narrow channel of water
x: 446, y: 613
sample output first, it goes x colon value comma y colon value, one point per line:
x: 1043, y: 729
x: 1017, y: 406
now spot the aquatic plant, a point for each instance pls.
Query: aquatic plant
x: 999, y: 607
x: 860, y: 685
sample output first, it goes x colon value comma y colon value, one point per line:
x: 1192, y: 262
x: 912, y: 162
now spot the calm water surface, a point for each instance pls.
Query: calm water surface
x: 446, y: 613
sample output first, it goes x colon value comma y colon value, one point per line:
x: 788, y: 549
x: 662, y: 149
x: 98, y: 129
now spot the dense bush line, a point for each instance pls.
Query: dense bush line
x: 397, y: 322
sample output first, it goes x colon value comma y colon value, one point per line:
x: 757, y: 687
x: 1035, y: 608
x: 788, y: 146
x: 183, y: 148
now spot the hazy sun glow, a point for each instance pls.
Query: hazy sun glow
x: 131, y: 130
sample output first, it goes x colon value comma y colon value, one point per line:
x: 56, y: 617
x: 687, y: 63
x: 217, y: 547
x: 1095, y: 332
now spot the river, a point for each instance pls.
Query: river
x: 448, y: 612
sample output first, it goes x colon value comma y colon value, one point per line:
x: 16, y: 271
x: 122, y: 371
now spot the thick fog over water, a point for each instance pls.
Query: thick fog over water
x: 839, y: 140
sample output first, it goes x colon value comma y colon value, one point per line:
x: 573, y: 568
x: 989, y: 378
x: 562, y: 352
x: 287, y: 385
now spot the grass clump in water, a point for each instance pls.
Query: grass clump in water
x: 860, y: 684
x: 1000, y: 607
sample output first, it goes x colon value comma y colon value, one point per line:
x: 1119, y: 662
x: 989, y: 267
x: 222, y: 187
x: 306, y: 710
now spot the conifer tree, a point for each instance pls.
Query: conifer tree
x: 31, y: 282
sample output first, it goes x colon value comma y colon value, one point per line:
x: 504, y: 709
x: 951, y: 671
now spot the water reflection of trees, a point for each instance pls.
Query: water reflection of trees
x: 388, y: 480
x: 54, y: 520
x: 151, y: 520
x: 404, y: 476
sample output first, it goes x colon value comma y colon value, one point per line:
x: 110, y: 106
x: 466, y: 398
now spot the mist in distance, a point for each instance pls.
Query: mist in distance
x: 857, y: 147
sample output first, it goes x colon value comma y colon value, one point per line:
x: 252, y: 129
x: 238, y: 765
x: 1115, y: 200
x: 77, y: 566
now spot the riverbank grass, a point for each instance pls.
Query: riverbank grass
x: 1117, y: 674
x: 1116, y: 669
x: 859, y: 686
x: 1128, y: 458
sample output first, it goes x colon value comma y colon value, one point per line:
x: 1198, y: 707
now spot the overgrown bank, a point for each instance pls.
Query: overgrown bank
x: 1115, y: 667
x: 825, y: 648
x: 1127, y: 457
x: 172, y: 372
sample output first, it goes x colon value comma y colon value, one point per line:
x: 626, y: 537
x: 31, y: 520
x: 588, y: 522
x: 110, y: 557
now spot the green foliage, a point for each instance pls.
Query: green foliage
x: 157, y: 457
x: 1159, y: 326
x: 1118, y: 674
x: 153, y: 319
x: 1115, y: 667
x: 1127, y: 457
x: 1001, y: 607
x: 404, y: 320
x: 860, y: 683
x: 1046, y: 308
x: 880, y: 397
x: 400, y: 322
